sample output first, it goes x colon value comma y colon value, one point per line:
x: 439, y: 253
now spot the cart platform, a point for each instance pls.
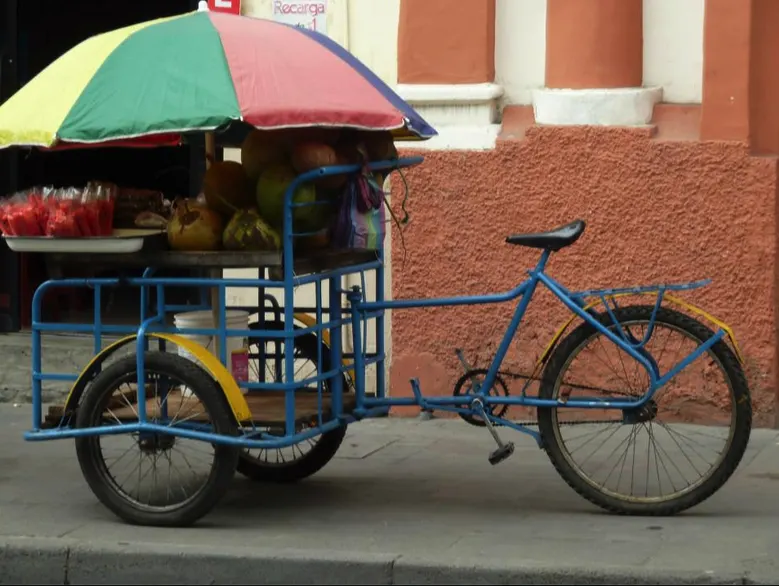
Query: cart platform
x: 267, y: 408
x: 311, y: 263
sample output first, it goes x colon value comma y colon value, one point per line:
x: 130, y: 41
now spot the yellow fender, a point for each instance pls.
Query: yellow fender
x: 211, y: 363
x: 675, y: 300
x: 208, y: 360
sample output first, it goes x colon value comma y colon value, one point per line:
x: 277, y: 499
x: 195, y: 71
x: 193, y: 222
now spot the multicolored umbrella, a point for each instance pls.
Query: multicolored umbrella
x: 150, y: 83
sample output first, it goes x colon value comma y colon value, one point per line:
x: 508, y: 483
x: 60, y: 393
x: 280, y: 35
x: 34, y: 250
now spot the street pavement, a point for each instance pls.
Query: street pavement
x: 404, y: 502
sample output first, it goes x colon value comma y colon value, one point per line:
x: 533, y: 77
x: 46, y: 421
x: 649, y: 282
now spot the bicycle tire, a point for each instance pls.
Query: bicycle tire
x: 327, y: 444
x: 740, y: 396
x: 92, y: 463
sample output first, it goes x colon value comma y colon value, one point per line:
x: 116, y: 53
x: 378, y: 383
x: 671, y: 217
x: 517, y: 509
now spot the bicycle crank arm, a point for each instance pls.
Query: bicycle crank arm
x: 504, y: 450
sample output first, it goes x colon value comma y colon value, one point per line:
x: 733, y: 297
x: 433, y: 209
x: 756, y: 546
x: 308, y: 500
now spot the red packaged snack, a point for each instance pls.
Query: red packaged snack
x: 105, y: 196
x: 20, y: 216
x: 5, y: 227
x: 62, y: 224
x: 64, y: 212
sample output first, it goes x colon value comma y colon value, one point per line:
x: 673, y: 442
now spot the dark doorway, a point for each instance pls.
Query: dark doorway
x: 9, y: 262
x: 36, y: 34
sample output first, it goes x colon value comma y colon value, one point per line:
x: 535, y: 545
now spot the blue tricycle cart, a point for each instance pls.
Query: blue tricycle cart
x: 662, y: 428
x: 184, y: 410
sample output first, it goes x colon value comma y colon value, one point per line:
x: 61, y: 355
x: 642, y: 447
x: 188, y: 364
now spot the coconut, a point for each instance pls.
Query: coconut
x: 194, y: 227
x: 271, y: 189
x: 248, y: 231
x: 380, y: 146
x: 307, y: 156
x: 260, y: 149
x: 227, y: 188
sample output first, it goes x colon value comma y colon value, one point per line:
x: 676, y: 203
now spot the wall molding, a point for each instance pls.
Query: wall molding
x: 596, y: 107
x: 465, y: 115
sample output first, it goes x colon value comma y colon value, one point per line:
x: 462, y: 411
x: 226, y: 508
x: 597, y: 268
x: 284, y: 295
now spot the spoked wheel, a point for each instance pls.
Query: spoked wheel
x: 666, y: 457
x: 155, y: 478
x: 299, y: 461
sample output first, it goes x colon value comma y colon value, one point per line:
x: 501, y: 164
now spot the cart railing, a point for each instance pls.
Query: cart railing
x: 337, y: 372
x: 330, y: 319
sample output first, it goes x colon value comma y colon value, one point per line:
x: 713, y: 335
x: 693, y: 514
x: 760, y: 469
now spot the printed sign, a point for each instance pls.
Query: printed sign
x: 310, y: 14
x: 229, y: 6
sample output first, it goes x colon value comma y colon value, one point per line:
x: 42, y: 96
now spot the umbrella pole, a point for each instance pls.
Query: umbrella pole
x: 214, y: 273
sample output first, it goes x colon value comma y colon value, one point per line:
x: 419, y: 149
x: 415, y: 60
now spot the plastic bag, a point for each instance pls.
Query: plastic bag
x: 64, y: 213
x: 360, y: 222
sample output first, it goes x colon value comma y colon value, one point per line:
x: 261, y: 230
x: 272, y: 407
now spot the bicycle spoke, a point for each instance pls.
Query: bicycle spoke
x: 622, y: 465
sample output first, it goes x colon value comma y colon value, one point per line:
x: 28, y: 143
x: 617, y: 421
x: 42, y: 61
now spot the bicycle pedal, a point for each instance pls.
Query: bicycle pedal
x: 501, y: 453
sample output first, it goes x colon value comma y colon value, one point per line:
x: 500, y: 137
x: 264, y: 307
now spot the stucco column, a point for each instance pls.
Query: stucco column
x: 444, y: 43
x: 727, y: 29
x: 446, y: 69
x: 740, y: 85
x: 594, y: 64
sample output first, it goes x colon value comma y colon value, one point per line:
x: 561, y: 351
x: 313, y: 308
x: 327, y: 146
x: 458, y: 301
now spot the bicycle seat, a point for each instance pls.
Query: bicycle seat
x: 553, y: 239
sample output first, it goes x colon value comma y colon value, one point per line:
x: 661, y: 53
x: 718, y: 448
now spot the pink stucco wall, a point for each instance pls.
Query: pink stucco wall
x: 656, y: 210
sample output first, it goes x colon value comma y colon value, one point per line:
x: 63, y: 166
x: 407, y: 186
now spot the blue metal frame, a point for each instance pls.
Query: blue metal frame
x: 573, y: 301
x: 357, y: 315
x: 153, y: 322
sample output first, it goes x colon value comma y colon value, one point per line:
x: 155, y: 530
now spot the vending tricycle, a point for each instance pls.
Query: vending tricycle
x: 205, y: 390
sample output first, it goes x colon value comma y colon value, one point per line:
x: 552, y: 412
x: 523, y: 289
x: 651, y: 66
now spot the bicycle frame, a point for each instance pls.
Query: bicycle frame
x: 524, y: 292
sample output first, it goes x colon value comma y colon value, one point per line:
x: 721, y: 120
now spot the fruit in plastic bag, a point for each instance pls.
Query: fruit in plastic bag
x: 194, y: 227
x: 248, y: 231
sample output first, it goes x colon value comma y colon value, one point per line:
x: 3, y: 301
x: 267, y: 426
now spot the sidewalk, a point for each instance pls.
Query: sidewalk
x: 405, y: 502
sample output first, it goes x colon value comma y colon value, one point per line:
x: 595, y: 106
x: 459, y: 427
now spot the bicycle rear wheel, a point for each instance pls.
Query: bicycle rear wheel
x: 697, y: 421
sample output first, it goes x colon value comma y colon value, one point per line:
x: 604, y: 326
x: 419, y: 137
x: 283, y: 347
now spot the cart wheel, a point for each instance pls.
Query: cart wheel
x: 127, y: 480
x: 299, y: 461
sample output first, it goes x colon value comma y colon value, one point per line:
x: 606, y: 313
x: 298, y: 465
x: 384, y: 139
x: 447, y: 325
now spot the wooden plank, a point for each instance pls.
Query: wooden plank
x: 313, y: 263
x: 267, y: 408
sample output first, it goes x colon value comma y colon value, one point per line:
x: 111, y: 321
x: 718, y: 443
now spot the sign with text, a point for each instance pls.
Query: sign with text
x: 310, y: 14
x: 229, y: 6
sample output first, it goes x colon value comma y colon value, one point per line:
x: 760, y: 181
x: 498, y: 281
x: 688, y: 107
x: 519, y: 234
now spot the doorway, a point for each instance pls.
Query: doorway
x: 37, y: 33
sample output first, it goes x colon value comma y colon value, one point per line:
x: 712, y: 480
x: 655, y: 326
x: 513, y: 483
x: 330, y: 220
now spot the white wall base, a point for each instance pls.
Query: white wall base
x: 597, y: 107
x: 464, y: 115
x: 457, y: 138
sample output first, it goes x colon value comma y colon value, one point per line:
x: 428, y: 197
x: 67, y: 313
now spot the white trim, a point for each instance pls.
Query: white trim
x: 598, y: 107
x: 470, y: 93
x: 465, y: 115
x: 458, y: 138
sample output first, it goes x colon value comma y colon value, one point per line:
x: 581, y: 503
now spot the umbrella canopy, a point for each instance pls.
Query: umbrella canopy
x: 149, y: 83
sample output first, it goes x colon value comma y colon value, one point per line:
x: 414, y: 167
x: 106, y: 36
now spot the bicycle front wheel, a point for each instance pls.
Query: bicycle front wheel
x: 672, y: 454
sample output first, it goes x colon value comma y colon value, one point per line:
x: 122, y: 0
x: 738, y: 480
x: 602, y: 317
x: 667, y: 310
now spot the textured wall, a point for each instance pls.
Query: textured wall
x: 656, y: 211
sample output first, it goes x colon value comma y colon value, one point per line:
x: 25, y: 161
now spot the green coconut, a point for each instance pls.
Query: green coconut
x: 246, y: 230
x: 259, y: 150
x: 271, y: 188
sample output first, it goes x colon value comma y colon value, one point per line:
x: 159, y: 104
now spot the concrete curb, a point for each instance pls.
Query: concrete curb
x: 62, y: 561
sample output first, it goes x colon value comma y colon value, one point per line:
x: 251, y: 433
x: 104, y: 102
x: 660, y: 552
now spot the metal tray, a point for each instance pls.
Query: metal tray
x: 124, y: 241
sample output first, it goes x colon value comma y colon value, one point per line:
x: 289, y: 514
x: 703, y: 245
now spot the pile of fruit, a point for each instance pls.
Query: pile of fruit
x: 242, y: 203
x: 241, y: 206
x: 61, y: 213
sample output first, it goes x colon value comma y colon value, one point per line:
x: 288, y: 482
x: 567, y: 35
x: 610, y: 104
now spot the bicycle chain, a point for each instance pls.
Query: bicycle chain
x: 529, y: 423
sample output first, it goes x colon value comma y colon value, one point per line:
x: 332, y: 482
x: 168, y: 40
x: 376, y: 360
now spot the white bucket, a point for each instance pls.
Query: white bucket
x: 234, y: 320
